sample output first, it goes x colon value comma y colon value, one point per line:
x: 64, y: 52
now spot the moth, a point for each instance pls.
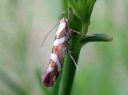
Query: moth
x: 61, y: 46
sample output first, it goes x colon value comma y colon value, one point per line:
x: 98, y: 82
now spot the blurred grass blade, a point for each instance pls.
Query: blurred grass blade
x: 6, y: 79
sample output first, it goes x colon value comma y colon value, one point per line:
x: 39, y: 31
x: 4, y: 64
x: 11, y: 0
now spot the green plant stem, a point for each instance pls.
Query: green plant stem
x: 69, y: 72
x: 77, y: 24
x: 69, y: 68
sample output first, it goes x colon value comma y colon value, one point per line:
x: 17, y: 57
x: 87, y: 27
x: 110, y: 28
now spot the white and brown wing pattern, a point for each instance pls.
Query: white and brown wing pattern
x: 57, y: 56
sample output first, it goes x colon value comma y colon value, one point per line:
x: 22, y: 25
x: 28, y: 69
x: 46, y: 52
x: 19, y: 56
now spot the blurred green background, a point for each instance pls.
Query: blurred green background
x: 24, y: 23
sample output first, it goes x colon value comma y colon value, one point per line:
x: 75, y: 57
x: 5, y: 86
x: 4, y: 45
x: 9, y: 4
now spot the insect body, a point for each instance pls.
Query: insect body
x: 61, y: 44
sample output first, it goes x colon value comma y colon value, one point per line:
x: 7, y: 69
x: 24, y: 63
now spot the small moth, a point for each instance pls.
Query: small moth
x: 60, y: 47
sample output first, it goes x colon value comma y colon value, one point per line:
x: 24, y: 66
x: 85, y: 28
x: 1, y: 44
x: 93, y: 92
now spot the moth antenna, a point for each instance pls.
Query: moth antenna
x: 42, y: 42
x: 74, y: 61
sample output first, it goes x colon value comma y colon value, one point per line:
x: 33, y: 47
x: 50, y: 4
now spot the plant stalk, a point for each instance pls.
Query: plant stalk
x: 76, y: 23
x: 69, y: 71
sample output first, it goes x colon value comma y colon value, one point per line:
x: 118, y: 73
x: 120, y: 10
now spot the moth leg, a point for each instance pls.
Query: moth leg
x: 68, y: 49
x: 77, y: 32
x: 69, y: 53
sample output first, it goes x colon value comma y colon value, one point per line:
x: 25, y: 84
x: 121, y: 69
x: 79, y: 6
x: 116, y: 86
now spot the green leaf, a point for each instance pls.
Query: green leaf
x: 74, y: 5
x: 82, y: 9
x: 96, y: 38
